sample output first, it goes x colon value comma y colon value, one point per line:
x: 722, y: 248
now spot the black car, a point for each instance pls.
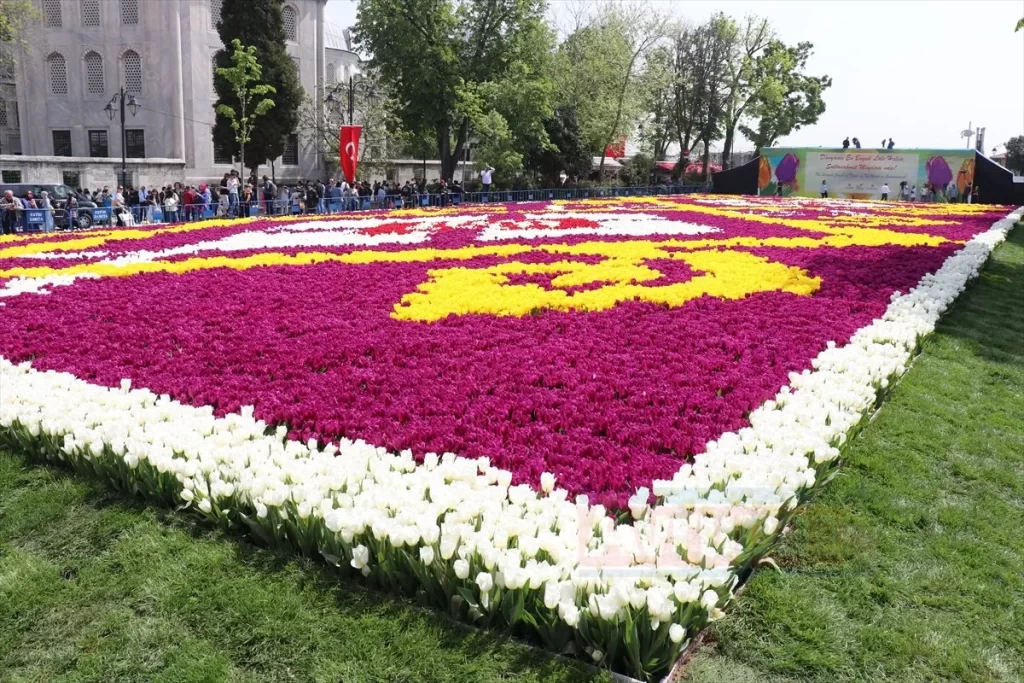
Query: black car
x: 58, y: 197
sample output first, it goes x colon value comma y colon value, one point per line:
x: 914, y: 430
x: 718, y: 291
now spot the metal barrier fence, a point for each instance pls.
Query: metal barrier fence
x: 35, y: 220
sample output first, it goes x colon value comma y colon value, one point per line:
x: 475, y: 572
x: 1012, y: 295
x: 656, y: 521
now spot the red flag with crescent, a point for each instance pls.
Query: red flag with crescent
x: 348, y: 150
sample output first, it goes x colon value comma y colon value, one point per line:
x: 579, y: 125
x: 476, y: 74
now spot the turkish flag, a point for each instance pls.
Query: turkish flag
x: 348, y: 150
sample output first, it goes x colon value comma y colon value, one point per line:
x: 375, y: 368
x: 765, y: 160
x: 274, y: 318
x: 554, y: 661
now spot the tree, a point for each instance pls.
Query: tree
x: 1015, y: 153
x: 452, y: 60
x: 244, y: 76
x: 643, y: 29
x: 786, y: 99
x: 657, y: 129
x: 260, y: 24
x: 1020, y: 25
x: 15, y: 18
x: 567, y: 150
x: 709, y: 48
x: 755, y: 36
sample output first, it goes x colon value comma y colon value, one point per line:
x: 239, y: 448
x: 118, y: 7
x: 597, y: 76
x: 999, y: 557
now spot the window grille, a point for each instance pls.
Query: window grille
x: 90, y: 12
x: 135, y: 144
x: 130, y: 12
x: 62, y: 143
x: 290, y: 23
x: 58, y: 74
x: 98, y: 143
x: 291, y: 151
x: 132, y: 72
x: 51, y: 13
x: 94, y: 74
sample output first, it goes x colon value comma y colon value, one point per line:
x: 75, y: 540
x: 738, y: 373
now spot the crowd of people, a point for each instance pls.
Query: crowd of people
x: 233, y: 198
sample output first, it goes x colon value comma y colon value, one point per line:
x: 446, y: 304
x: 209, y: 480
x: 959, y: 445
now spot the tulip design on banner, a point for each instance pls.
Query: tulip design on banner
x: 965, y: 178
x: 348, y: 150
x: 785, y: 173
x: 939, y: 173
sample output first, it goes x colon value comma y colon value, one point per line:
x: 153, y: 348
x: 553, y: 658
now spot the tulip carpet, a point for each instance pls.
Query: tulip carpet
x: 626, y: 353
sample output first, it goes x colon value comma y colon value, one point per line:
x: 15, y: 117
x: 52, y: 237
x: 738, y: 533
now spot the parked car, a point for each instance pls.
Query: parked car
x: 58, y: 197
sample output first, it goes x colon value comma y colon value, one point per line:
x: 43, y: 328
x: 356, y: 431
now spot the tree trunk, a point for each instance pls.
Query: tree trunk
x: 707, y: 160
x: 730, y: 133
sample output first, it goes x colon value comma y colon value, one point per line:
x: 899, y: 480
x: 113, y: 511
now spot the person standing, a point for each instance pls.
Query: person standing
x: 913, y: 193
x: 891, y: 144
x: 846, y: 142
x: 269, y: 191
x: 10, y: 213
x: 47, y: 207
x: 233, y: 184
x: 824, y: 190
x: 486, y: 176
x: 885, y: 192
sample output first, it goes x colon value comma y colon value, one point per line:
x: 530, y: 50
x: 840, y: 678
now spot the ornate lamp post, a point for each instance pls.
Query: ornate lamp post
x: 129, y: 101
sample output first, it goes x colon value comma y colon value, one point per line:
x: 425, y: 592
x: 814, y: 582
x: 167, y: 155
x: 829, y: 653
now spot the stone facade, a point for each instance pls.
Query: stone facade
x: 88, y: 172
x: 84, y: 51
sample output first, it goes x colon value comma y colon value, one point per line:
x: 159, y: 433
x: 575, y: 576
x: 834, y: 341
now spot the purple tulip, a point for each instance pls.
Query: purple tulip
x: 785, y: 172
x: 939, y: 172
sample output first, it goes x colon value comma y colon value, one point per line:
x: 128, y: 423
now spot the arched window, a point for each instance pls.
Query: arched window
x: 332, y: 74
x: 132, y: 72
x: 216, y: 11
x: 130, y: 12
x: 290, y: 23
x: 94, y: 74
x: 58, y: 74
x: 90, y: 12
x: 51, y: 12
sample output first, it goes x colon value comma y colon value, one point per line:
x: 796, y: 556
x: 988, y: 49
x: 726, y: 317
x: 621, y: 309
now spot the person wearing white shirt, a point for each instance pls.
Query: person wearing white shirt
x: 485, y: 180
x: 824, y: 190
x: 233, y: 185
x: 885, y: 192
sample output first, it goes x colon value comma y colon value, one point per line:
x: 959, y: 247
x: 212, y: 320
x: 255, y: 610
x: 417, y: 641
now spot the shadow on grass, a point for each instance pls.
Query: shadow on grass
x: 82, y: 528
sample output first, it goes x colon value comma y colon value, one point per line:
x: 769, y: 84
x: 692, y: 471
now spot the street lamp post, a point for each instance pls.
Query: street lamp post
x: 123, y: 99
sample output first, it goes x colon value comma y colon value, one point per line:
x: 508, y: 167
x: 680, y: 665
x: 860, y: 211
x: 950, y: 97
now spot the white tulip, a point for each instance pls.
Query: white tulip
x: 461, y: 569
x: 205, y: 506
x: 547, y: 482
x: 676, y: 633
x: 426, y: 555
x: 485, y: 581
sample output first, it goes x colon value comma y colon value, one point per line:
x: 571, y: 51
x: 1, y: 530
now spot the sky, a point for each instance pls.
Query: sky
x: 917, y: 71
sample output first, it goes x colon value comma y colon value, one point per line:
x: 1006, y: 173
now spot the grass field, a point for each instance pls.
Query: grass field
x: 908, y: 568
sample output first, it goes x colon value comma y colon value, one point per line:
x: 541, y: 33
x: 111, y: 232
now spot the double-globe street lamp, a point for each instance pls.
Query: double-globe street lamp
x: 129, y: 101
x: 334, y: 96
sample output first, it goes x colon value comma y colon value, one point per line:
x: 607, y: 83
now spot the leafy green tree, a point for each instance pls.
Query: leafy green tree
x: 15, y: 17
x: 1015, y: 153
x: 451, y: 64
x: 657, y: 128
x: 1020, y: 25
x: 244, y: 77
x: 566, y: 152
x: 260, y: 24
x: 590, y: 62
x: 787, y: 99
x: 744, y: 88
x: 710, y: 48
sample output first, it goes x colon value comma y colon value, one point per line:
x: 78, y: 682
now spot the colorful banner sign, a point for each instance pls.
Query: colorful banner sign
x: 862, y: 173
x: 348, y: 151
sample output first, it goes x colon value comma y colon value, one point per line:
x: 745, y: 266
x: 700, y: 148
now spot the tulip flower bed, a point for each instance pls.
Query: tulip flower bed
x: 582, y: 421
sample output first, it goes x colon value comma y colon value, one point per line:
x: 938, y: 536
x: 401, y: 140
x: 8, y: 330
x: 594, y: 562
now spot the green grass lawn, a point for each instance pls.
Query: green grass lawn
x: 909, y: 568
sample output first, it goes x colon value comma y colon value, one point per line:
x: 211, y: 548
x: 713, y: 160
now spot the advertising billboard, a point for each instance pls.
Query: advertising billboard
x: 862, y: 173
